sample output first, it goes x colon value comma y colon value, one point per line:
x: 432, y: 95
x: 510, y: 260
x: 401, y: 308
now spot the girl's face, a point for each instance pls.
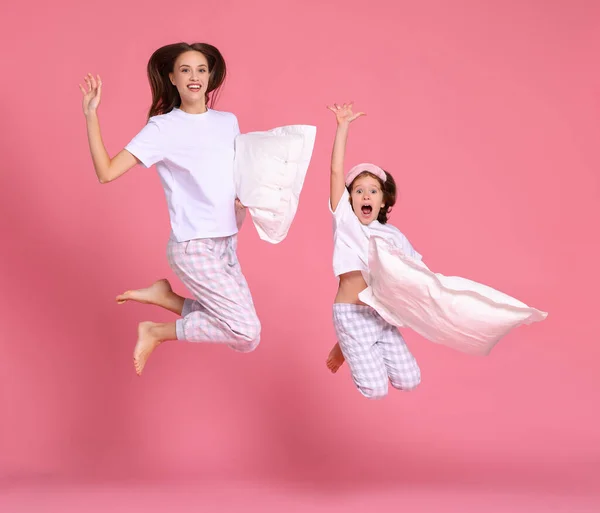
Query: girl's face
x: 190, y: 75
x: 367, y: 198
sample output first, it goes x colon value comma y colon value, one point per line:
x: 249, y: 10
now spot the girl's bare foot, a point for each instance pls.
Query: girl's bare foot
x: 156, y: 294
x: 146, y: 343
x: 335, y: 359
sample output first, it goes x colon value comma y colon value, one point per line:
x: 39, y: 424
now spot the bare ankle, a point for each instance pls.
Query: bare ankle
x: 154, y: 330
x: 160, y: 332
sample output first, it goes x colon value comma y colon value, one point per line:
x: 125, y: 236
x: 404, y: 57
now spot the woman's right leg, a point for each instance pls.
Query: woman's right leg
x: 223, y: 310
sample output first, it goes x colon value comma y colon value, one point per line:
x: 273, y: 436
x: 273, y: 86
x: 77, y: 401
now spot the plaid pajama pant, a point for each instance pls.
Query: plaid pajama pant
x: 374, y: 350
x: 223, y: 310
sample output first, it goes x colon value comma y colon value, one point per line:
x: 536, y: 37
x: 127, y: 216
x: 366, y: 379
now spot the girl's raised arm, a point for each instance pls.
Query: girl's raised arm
x: 344, y: 116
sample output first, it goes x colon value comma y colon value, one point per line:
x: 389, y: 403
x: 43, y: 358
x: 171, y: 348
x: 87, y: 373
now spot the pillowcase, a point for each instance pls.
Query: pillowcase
x: 269, y: 171
x: 449, y: 310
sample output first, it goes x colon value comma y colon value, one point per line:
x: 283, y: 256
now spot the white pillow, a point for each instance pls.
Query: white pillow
x: 449, y: 310
x: 269, y: 171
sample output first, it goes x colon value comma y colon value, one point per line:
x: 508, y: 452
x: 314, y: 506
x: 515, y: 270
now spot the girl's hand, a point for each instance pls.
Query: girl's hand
x: 238, y: 205
x: 344, y: 114
x: 91, y: 97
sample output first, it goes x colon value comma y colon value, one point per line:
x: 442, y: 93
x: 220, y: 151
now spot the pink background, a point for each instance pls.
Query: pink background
x: 487, y: 115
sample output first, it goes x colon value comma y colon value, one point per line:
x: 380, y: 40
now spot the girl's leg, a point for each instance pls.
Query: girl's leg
x: 335, y: 358
x: 401, y: 365
x: 159, y: 293
x: 358, y: 330
x: 223, y: 311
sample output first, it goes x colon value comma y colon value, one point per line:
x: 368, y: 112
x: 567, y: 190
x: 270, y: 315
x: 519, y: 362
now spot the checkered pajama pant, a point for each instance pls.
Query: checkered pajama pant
x: 223, y: 310
x: 374, y: 350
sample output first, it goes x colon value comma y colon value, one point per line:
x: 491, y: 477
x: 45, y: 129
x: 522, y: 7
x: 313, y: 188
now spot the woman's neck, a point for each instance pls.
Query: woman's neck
x: 193, y: 108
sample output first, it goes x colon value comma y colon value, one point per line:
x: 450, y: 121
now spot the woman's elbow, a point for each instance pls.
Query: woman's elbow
x: 104, y: 180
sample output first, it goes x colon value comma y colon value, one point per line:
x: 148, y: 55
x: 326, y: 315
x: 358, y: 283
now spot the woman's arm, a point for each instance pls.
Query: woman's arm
x: 240, y: 213
x: 107, y: 169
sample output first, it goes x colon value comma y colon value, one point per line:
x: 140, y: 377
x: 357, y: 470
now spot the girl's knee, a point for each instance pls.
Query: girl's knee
x: 374, y: 392
x: 408, y: 381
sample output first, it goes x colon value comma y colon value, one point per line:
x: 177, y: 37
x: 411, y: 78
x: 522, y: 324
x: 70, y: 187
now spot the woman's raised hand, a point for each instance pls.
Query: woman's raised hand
x: 91, y: 96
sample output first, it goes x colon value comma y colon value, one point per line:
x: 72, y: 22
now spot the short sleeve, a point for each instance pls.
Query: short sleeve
x: 414, y: 253
x: 343, y: 206
x: 236, y: 126
x: 146, y: 146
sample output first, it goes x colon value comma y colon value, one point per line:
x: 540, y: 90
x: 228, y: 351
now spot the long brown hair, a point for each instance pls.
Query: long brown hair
x: 389, y: 194
x: 165, y: 96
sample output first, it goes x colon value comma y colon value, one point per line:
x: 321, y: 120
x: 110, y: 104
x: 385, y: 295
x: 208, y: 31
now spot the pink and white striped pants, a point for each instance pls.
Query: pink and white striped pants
x: 223, y: 310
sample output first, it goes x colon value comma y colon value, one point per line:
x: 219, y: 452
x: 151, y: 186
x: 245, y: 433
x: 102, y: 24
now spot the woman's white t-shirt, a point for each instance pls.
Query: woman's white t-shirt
x: 351, y: 238
x: 194, y: 155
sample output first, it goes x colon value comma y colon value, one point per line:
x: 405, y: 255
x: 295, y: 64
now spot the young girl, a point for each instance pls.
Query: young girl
x: 192, y: 147
x: 375, y: 351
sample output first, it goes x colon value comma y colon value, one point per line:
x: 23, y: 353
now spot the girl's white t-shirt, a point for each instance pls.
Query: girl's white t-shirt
x: 351, y: 239
x: 194, y: 156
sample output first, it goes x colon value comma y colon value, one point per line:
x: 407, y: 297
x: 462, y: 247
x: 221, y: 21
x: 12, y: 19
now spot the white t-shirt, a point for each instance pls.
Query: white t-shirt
x: 194, y: 156
x: 351, y: 239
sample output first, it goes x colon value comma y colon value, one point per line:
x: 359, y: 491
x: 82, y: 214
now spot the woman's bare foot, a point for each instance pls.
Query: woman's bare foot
x: 335, y: 359
x: 146, y: 343
x: 150, y: 336
x: 159, y: 293
x: 155, y: 294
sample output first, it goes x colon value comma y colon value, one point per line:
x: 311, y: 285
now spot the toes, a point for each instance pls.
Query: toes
x: 123, y: 297
x: 137, y: 366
